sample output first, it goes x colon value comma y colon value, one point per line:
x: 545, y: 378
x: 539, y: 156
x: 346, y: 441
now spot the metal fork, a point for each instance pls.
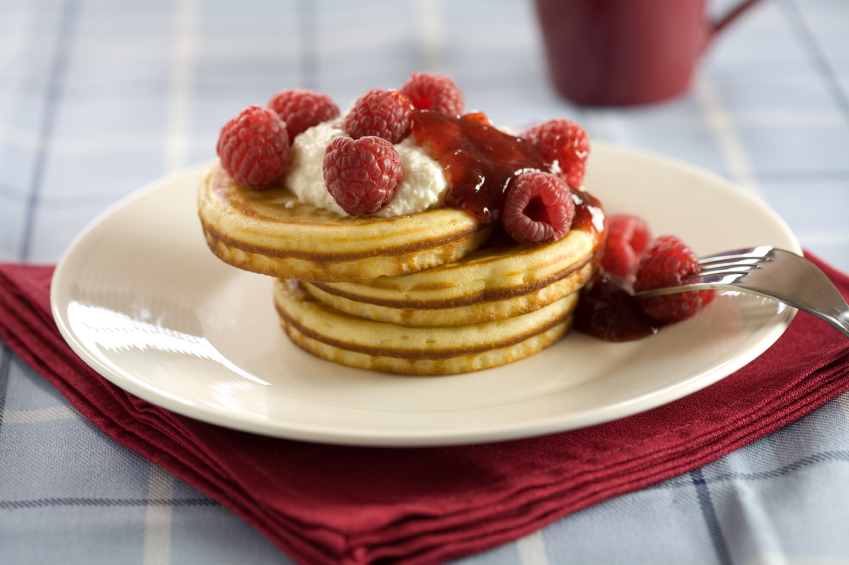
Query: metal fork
x: 769, y: 272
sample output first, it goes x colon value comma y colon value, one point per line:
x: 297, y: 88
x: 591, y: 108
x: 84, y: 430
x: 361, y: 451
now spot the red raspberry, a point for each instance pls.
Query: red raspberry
x: 429, y: 91
x: 668, y: 260
x: 627, y: 237
x: 538, y: 208
x: 302, y: 109
x: 254, y: 148
x: 564, y: 145
x: 361, y: 174
x: 380, y: 113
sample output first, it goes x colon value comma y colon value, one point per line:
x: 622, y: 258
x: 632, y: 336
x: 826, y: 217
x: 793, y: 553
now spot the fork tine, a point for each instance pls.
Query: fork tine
x: 727, y: 270
x: 743, y: 263
x: 701, y: 281
x: 748, y: 253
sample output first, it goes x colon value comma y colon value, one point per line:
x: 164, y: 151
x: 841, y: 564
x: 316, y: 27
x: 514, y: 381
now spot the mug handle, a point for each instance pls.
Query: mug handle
x: 717, y: 26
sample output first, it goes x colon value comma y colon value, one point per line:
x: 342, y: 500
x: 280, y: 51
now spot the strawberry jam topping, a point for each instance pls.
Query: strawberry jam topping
x: 478, y: 160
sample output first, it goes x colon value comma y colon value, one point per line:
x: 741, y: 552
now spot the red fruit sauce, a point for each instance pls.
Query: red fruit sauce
x: 479, y: 162
x: 607, y: 311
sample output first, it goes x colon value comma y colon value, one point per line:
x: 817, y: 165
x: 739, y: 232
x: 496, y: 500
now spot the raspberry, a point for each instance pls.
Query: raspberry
x: 254, y: 148
x: 564, y: 145
x: 627, y: 237
x: 380, y: 113
x: 429, y: 91
x: 667, y: 260
x: 361, y: 174
x: 302, y: 109
x: 538, y: 208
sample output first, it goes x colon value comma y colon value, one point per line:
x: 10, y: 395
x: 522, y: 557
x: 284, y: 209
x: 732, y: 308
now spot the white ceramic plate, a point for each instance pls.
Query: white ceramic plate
x: 143, y: 301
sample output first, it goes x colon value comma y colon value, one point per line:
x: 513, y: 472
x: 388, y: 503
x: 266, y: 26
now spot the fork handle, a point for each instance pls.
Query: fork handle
x: 806, y: 288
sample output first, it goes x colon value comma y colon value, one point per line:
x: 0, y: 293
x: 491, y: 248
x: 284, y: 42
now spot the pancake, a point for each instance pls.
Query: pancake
x: 500, y: 280
x: 379, y: 346
x: 473, y: 313
x: 270, y: 232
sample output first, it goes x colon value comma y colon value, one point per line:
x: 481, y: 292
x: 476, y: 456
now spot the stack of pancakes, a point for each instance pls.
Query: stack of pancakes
x: 427, y: 293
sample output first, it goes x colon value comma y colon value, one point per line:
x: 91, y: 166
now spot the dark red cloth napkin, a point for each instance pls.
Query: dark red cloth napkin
x: 331, y: 504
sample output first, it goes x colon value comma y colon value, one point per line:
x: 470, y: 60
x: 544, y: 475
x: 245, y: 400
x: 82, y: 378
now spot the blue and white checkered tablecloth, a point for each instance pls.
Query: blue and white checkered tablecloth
x: 98, y: 98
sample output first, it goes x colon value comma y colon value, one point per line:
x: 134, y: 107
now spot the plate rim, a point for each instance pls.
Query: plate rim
x: 405, y: 438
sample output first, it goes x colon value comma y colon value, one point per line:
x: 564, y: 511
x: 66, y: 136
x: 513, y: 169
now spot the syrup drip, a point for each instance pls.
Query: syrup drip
x: 589, y: 215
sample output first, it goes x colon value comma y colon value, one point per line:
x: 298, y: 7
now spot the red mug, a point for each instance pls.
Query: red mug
x: 624, y: 52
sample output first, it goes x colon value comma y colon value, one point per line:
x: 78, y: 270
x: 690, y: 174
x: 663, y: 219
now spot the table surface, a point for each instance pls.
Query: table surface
x: 99, y: 98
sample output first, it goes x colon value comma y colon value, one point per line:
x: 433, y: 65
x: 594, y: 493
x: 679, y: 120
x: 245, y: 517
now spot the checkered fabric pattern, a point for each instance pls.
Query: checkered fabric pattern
x: 98, y: 98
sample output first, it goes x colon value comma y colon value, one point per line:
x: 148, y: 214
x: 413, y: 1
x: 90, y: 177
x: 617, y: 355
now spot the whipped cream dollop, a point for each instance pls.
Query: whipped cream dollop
x: 423, y: 184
